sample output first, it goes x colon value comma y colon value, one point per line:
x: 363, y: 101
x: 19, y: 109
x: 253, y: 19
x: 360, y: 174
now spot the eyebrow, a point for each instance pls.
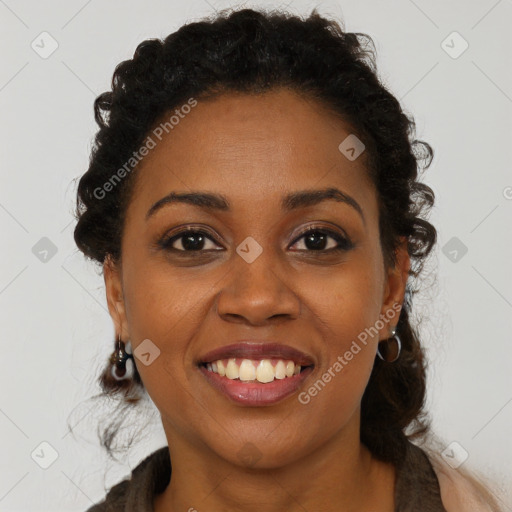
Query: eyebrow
x: 293, y: 201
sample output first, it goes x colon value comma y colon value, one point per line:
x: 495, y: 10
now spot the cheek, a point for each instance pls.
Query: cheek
x: 155, y: 311
x: 345, y: 308
x: 168, y: 308
x: 346, y: 304
x: 160, y: 304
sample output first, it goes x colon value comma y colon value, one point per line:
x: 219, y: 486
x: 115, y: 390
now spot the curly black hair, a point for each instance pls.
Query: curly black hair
x: 252, y: 52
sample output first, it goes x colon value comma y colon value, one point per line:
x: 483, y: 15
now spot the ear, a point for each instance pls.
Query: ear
x: 394, y: 289
x: 115, y: 297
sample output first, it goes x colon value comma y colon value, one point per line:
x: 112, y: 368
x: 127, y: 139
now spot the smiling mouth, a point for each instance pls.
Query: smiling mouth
x: 255, y: 370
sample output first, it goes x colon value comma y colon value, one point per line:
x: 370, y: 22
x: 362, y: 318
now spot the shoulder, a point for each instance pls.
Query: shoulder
x: 136, y: 492
x: 461, y: 491
x: 115, y: 499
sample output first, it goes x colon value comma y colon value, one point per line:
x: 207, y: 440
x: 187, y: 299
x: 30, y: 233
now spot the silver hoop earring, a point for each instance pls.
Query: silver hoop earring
x: 122, y: 361
x: 390, y: 355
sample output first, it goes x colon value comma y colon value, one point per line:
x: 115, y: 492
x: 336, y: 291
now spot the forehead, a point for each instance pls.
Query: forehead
x: 252, y: 149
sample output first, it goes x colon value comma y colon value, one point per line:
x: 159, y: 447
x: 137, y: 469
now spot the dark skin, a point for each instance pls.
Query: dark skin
x: 254, y: 150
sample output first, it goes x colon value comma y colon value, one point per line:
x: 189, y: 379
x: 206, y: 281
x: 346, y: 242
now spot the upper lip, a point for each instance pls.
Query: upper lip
x: 253, y: 349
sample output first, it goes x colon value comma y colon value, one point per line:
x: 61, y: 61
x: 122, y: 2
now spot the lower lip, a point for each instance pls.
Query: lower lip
x: 256, y: 394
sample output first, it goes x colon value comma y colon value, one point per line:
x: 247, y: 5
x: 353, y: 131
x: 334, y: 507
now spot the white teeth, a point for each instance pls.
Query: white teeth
x: 264, y: 370
x: 232, y: 369
x: 247, y: 370
x: 280, y: 370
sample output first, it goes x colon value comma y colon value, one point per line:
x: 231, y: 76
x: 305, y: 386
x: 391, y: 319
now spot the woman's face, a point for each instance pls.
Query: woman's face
x: 254, y: 275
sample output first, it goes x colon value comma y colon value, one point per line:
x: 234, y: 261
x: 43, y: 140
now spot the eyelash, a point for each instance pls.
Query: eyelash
x: 344, y: 244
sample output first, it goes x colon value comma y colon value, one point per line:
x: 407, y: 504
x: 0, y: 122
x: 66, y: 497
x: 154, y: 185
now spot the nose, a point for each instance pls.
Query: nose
x: 257, y: 293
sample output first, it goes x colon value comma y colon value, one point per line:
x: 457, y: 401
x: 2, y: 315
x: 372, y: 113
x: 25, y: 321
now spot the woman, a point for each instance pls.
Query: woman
x: 253, y: 199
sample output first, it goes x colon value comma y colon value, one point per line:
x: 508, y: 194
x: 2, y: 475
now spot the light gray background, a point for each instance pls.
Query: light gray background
x: 55, y: 328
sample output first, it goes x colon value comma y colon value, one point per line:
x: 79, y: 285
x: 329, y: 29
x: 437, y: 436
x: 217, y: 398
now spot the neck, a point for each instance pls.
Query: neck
x: 341, y: 474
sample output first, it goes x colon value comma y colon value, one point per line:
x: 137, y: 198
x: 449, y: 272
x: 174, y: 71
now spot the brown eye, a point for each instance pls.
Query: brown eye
x: 187, y: 241
x: 318, y: 240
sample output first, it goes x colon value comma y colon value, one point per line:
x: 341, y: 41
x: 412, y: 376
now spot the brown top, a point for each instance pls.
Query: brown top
x: 416, y: 490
